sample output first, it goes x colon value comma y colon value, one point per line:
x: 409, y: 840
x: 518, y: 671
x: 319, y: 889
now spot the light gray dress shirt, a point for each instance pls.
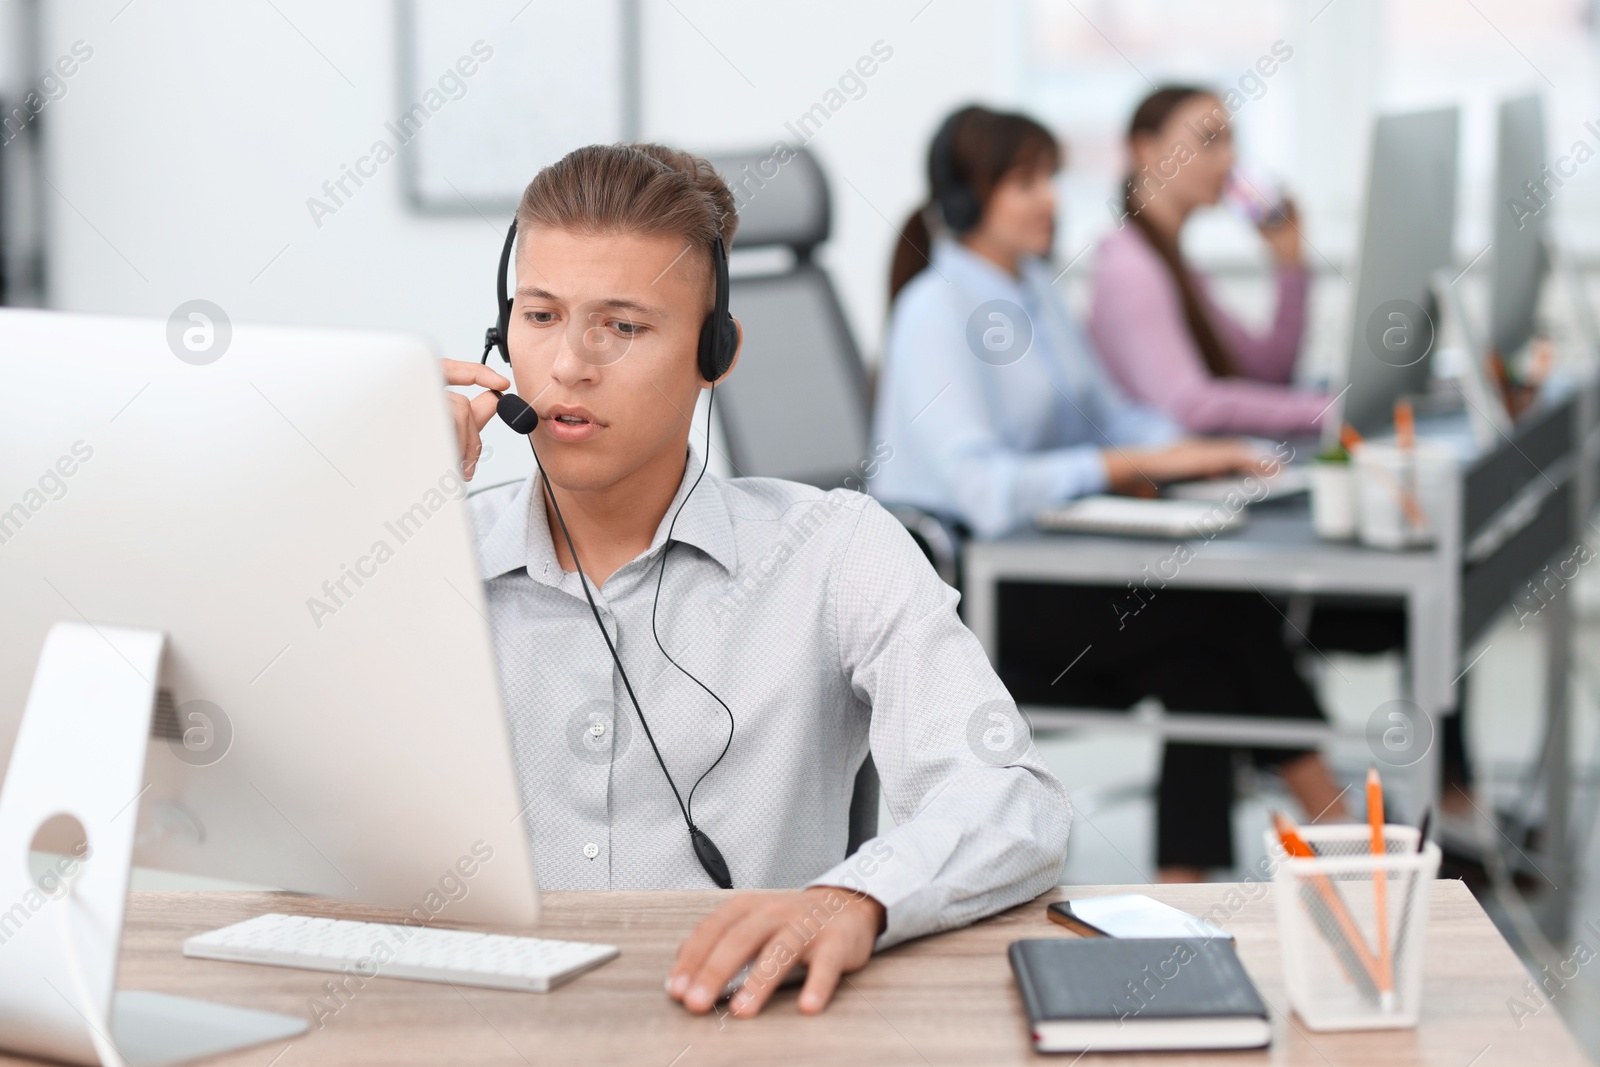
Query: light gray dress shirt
x: 817, y: 620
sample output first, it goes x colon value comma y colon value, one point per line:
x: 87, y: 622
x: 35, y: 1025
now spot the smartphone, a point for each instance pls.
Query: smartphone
x: 1130, y: 915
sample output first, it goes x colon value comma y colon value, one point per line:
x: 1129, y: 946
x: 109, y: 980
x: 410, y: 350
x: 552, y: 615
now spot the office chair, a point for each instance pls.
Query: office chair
x: 797, y: 408
x: 800, y: 406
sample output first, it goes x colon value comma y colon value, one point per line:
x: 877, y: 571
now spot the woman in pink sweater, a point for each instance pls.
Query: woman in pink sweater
x: 1154, y: 323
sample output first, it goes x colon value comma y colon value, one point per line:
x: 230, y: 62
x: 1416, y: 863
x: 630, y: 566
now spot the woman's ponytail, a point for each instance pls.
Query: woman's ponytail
x: 911, y: 252
x: 1148, y: 119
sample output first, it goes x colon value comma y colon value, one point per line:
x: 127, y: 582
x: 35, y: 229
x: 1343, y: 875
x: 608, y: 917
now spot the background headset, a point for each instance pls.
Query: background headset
x: 718, y: 344
x: 957, y: 202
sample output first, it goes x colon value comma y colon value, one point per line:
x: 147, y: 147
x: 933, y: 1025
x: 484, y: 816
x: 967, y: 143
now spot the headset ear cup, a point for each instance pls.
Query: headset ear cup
x: 706, y: 355
x: 730, y: 346
x: 719, y: 336
x: 719, y: 343
x: 961, y: 209
x: 958, y: 206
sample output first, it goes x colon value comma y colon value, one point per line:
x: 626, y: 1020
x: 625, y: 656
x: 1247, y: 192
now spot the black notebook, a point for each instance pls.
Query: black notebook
x: 1105, y: 994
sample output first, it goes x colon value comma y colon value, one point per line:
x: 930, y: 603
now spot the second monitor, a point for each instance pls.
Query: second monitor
x: 1407, y: 234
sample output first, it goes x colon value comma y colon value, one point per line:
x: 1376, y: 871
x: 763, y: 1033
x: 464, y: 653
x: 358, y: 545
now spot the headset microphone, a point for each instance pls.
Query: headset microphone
x: 719, y: 343
x: 516, y: 412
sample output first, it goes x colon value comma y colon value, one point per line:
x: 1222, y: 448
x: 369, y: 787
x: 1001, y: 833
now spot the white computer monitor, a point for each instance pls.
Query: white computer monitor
x: 290, y: 514
x: 1407, y: 235
x: 1520, y: 224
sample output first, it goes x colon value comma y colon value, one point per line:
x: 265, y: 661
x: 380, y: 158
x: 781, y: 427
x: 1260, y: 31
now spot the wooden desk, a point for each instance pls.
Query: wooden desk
x: 945, y: 999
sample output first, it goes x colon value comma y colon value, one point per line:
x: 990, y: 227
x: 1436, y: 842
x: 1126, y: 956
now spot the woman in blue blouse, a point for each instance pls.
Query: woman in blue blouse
x: 996, y: 408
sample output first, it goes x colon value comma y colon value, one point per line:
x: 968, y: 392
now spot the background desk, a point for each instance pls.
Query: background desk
x: 1275, y: 552
x: 1514, y: 509
x: 945, y: 999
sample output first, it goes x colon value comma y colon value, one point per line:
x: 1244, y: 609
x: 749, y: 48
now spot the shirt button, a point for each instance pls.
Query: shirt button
x: 597, y: 729
x: 591, y: 850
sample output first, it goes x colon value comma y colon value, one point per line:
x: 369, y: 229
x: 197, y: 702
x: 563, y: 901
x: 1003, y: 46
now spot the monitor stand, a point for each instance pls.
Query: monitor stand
x: 80, y: 752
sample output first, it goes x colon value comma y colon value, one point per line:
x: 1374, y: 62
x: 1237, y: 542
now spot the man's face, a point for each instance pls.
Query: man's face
x: 604, y: 331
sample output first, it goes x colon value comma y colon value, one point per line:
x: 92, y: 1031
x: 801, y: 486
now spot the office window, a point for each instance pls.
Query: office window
x: 1479, y: 53
x: 1087, y: 63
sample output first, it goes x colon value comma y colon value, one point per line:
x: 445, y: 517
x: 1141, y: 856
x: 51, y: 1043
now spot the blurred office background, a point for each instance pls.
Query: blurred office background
x: 204, y: 151
x: 180, y: 157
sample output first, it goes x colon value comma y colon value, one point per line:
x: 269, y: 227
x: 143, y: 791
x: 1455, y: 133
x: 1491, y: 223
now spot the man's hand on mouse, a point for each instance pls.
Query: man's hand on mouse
x: 831, y: 929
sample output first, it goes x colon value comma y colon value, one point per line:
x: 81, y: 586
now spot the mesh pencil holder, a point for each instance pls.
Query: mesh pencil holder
x: 1353, y: 925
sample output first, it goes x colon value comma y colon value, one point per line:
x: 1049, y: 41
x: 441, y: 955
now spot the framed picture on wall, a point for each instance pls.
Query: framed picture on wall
x: 489, y: 93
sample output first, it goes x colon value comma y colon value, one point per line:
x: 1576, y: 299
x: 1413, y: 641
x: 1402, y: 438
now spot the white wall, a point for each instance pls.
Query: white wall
x: 874, y: 149
x: 185, y: 149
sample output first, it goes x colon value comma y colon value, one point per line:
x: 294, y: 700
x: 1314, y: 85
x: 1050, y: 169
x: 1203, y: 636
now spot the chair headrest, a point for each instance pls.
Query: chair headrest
x: 782, y: 198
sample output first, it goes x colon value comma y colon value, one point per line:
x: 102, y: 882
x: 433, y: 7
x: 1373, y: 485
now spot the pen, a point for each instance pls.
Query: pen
x: 1341, y: 931
x: 1380, y: 889
x: 1317, y: 908
x: 1412, y: 877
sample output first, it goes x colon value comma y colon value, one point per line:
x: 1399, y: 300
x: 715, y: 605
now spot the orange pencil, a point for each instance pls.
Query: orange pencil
x: 1380, y: 889
x: 1405, y: 423
x: 1405, y: 431
x: 1296, y: 846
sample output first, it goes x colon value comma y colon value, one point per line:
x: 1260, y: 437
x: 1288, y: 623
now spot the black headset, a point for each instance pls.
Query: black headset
x: 719, y: 334
x: 719, y: 343
x: 957, y: 202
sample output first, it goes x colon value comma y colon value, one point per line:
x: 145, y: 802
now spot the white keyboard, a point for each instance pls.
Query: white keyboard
x: 496, y: 961
x: 1134, y: 517
x: 1252, y: 489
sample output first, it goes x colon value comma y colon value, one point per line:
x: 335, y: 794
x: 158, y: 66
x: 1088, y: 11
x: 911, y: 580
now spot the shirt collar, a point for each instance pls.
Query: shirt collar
x: 520, y: 537
x: 979, y: 277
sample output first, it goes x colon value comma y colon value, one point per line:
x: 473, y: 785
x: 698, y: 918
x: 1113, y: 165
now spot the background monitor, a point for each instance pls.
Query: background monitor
x: 286, y: 506
x: 1519, y: 228
x: 1407, y: 233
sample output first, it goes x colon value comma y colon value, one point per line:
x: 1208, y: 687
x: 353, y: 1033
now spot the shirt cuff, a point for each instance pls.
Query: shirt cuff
x: 873, y: 870
x: 1083, y: 471
x: 1313, y: 408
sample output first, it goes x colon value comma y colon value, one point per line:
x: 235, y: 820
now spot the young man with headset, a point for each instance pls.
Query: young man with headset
x: 711, y: 732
